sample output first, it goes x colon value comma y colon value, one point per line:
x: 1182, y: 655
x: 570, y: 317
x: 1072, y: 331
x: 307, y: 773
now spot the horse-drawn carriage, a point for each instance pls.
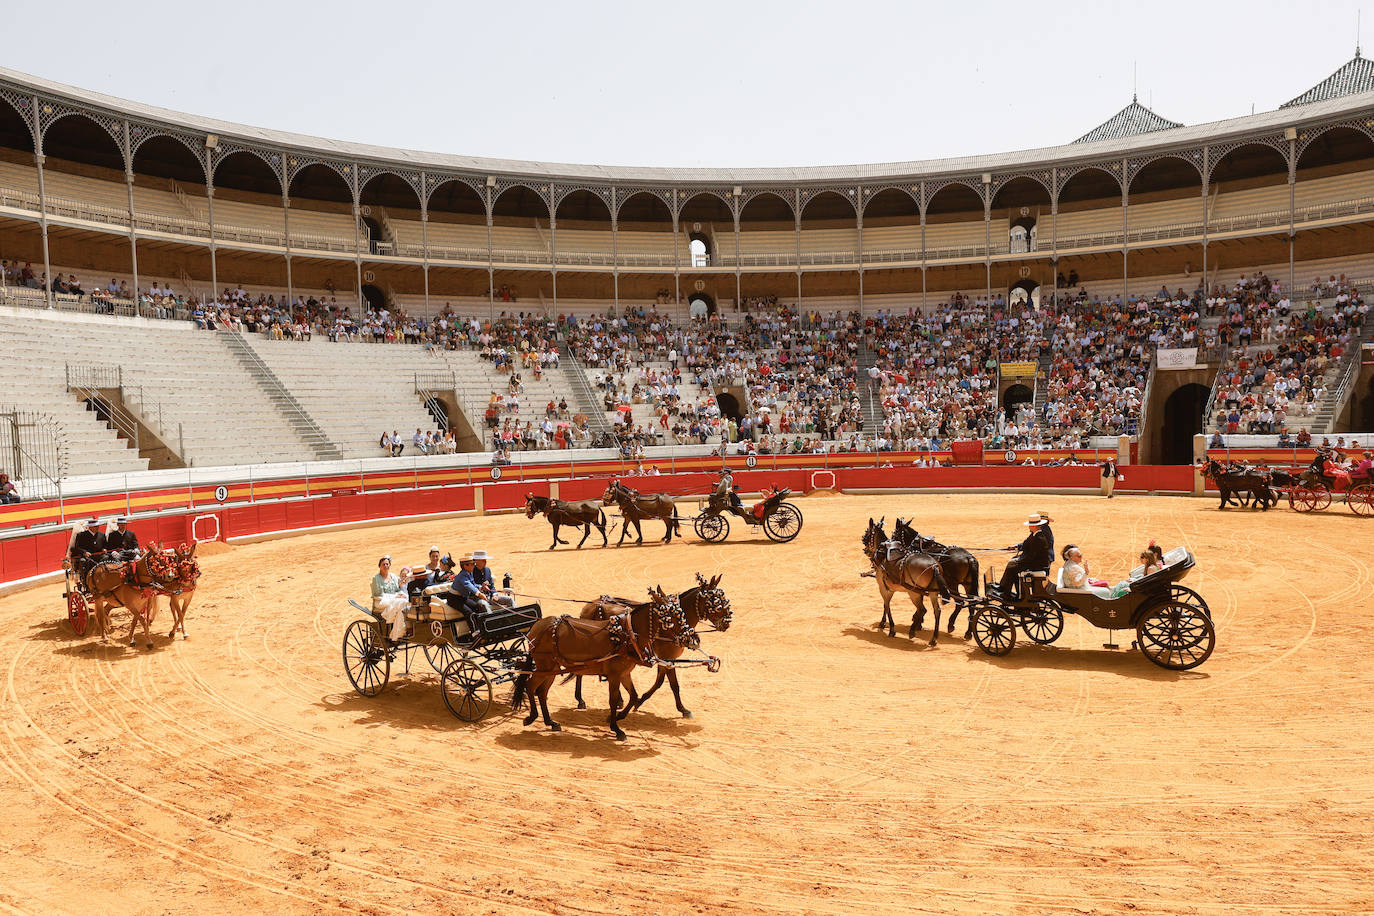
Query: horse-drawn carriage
x: 1313, y: 490
x: 472, y: 653
x: 1172, y: 623
x: 780, y: 520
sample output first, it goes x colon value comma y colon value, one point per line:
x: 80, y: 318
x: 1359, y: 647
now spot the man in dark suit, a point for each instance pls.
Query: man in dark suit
x: 122, y: 540
x: 87, y: 547
x: 1033, y: 555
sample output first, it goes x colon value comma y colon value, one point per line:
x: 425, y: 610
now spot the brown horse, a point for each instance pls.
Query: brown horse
x: 704, y: 601
x: 957, y: 565
x: 585, y: 513
x: 634, y: 506
x: 610, y: 648
x: 135, y: 584
x: 1240, y: 480
x: 917, y: 574
x: 179, y: 598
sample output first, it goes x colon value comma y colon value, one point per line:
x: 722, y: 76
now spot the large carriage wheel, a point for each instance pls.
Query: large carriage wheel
x: 1311, y: 499
x: 1361, y: 500
x: 467, y: 690
x: 1185, y: 595
x: 712, y: 528
x: 78, y: 612
x: 366, y: 658
x: 1176, y: 635
x: 1043, y: 622
x: 442, y: 654
x: 784, y: 524
x: 994, y: 630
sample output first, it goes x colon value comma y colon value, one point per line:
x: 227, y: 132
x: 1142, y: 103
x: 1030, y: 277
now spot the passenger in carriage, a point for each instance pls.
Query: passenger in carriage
x: 389, y: 599
x: 87, y: 548
x: 1075, y: 574
x: 1363, y: 470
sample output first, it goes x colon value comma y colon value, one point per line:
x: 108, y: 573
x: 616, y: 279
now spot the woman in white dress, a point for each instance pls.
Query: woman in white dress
x: 1075, y: 574
x: 389, y: 596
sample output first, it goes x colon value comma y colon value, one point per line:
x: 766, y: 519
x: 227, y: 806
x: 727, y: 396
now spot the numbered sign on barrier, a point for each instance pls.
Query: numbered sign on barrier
x: 1010, y: 456
x: 751, y: 461
x: 496, y: 473
x: 221, y: 493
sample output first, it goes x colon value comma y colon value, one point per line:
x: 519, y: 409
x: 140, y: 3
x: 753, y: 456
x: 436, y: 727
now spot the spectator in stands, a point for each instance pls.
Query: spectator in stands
x: 9, y: 494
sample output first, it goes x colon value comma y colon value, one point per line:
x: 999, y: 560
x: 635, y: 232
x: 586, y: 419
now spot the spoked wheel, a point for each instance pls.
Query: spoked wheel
x: 1185, y: 595
x: 442, y: 654
x: 78, y: 612
x: 1311, y: 499
x: 1176, y: 635
x: 365, y: 658
x: 467, y: 690
x: 712, y: 528
x: 1361, y: 500
x: 1043, y: 623
x: 994, y: 630
x: 784, y: 524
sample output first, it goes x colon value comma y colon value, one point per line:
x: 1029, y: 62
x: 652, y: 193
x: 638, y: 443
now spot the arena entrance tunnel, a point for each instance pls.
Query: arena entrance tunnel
x: 1182, y: 420
x: 729, y: 405
x: 1024, y: 291
x: 376, y: 299
x: 1014, y: 397
x: 699, y: 305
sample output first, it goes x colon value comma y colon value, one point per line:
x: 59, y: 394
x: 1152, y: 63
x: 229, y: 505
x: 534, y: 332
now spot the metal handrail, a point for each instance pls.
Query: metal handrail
x: 286, y: 401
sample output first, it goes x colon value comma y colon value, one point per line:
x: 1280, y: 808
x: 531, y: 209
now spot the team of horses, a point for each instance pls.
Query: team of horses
x: 138, y: 582
x: 922, y: 567
x: 613, y: 636
x: 588, y: 513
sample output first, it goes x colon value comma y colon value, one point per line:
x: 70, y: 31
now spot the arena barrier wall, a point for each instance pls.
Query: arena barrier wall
x: 282, y: 507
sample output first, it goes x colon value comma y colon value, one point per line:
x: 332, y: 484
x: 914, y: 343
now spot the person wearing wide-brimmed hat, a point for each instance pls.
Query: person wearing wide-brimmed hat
x: 122, y: 539
x: 486, y: 584
x: 1033, y: 555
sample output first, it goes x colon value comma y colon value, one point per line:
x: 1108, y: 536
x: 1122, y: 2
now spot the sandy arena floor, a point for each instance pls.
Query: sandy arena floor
x: 828, y: 769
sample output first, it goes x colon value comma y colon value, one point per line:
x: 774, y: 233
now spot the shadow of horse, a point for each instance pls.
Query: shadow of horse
x: 908, y: 644
x: 579, y: 742
x: 412, y: 704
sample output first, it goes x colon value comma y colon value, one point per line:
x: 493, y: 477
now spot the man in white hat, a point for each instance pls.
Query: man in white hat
x: 482, y: 576
x: 1033, y: 555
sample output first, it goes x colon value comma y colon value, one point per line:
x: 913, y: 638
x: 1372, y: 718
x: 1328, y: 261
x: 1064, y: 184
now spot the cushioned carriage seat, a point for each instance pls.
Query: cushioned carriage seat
x: 434, y: 609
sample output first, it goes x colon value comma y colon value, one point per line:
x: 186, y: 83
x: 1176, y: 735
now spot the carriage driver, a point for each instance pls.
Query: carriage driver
x: 486, y: 585
x: 87, y: 547
x: 1033, y: 555
x: 123, y: 541
x: 727, y: 494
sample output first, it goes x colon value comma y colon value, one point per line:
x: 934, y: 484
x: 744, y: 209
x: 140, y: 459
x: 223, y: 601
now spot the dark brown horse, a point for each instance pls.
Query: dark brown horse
x: 704, y: 601
x: 1234, y: 481
x: 559, y: 512
x: 917, y: 574
x: 609, y: 648
x: 635, y: 506
x: 957, y: 565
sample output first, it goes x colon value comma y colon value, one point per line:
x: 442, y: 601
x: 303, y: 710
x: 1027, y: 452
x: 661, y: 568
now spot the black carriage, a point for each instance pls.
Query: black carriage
x: 472, y: 651
x: 1172, y: 623
x: 781, y: 520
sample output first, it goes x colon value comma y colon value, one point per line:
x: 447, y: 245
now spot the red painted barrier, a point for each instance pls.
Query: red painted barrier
x: 28, y: 555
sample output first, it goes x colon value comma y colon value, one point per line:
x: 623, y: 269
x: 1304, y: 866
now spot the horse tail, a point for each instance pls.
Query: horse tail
x: 601, y: 516
x: 940, y: 583
x: 676, y: 520
x: 517, y: 699
x: 976, y: 573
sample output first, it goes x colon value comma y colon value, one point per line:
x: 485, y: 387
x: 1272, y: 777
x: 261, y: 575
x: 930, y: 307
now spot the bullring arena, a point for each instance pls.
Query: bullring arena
x: 827, y: 768
x: 217, y: 339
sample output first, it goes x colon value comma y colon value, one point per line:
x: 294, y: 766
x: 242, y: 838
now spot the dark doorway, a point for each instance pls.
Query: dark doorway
x: 729, y: 406
x: 374, y: 233
x: 1364, y: 418
x: 376, y: 299
x: 1182, y: 421
x: 1014, y: 397
x: 1025, y: 291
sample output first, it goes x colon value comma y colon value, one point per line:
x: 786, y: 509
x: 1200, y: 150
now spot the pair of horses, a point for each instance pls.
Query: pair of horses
x: 922, y: 567
x: 137, y: 584
x: 1245, y: 483
x: 587, y: 513
x: 609, y: 638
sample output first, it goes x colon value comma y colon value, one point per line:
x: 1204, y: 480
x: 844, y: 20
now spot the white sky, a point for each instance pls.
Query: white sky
x: 706, y: 83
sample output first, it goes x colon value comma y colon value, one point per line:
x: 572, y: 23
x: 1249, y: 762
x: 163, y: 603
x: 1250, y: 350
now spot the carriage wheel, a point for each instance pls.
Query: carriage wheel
x: 1305, y: 499
x: 1361, y: 500
x: 1321, y: 497
x: 1176, y: 635
x: 784, y: 524
x: 1185, y: 595
x: 365, y: 658
x: 78, y: 612
x: 442, y: 654
x: 712, y: 528
x: 467, y: 690
x: 994, y: 630
x: 1043, y: 623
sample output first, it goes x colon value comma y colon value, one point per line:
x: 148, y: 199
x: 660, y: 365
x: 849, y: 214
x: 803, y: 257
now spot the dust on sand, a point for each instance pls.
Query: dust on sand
x: 828, y: 769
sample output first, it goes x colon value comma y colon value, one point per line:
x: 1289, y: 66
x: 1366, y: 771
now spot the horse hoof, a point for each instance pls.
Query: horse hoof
x: 911, y: 634
x: 686, y: 714
x: 620, y: 736
x: 555, y: 727
x: 581, y: 705
x: 529, y: 721
x: 932, y: 643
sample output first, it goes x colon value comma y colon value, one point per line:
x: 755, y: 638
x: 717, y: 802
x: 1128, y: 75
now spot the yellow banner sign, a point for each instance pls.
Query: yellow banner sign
x: 1019, y: 370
